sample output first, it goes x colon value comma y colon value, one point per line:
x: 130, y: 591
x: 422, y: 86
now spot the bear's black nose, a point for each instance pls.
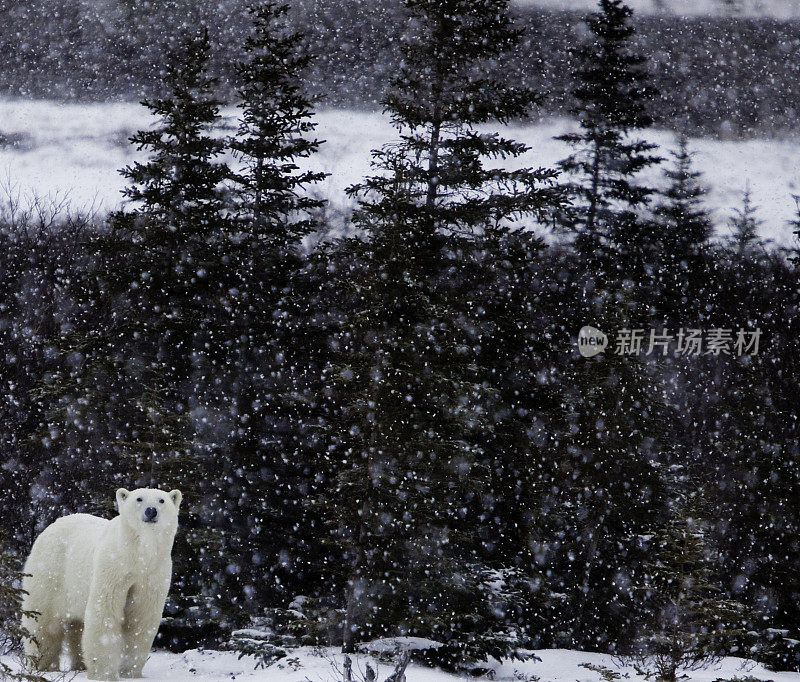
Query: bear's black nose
x: 150, y: 514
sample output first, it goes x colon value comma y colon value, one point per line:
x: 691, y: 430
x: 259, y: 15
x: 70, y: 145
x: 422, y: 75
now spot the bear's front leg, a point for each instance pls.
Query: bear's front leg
x: 102, y: 630
x: 142, y: 618
x: 138, y: 634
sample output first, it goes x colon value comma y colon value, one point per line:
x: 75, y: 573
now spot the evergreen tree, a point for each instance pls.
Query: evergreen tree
x: 739, y: 421
x: 745, y: 226
x: 403, y: 377
x: 752, y: 455
x: 605, y: 488
x: 270, y: 380
x: 274, y: 132
x: 687, y: 224
x: 684, y: 228
x: 612, y: 96
x: 146, y: 338
x: 687, y: 624
x: 606, y: 492
x: 170, y: 255
x: 519, y: 300
x: 177, y: 278
x: 517, y: 311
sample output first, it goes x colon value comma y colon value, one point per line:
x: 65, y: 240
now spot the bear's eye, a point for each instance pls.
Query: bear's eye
x: 161, y: 501
x: 138, y: 499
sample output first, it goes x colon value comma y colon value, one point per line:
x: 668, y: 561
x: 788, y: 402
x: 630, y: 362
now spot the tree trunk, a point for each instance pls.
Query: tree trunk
x: 354, y: 583
x: 356, y: 580
x: 591, y: 554
x: 591, y: 214
x: 433, y: 165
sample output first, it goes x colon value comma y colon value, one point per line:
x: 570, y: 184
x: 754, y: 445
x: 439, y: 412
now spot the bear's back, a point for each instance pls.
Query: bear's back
x: 63, y: 557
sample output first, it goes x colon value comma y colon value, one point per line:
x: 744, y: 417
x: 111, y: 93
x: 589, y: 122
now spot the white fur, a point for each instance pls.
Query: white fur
x: 101, y: 585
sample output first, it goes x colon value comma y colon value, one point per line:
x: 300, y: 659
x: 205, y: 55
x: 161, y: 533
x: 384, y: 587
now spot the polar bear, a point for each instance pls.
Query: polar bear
x: 101, y: 585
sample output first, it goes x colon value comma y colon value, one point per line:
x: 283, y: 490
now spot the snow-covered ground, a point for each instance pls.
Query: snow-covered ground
x: 778, y: 9
x: 320, y: 665
x: 76, y: 150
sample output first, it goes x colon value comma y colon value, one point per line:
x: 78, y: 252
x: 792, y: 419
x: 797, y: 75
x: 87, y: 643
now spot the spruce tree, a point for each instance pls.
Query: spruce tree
x: 611, y: 95
x: 687, y: 224
x: 686, y: 623
x: 606, y: 491
x: 274, y: 132
x: 139, y: 356
x: 403, y: 377
x: 752, y: 453
x: 684, y: 228
x: 745, y: 224
x: 269, y: 381
x: 169, y: 251
x: 177, y: 278
x: 517, y: 313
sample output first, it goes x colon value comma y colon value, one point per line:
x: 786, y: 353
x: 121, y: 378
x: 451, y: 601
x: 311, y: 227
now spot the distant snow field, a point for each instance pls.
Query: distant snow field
x: 319, y: 665
x: 777, y: 9
x: 74, y: 151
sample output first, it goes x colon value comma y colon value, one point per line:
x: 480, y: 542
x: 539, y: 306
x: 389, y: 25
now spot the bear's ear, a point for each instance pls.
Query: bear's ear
x: 176, y: 496
x: 122, y: 495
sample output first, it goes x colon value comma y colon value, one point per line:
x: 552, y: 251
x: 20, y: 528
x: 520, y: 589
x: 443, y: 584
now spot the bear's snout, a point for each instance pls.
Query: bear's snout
x: 150, y: 515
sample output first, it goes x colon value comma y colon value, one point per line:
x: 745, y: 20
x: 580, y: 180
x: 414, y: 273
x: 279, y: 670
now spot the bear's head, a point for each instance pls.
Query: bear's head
x: 148, y: 509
